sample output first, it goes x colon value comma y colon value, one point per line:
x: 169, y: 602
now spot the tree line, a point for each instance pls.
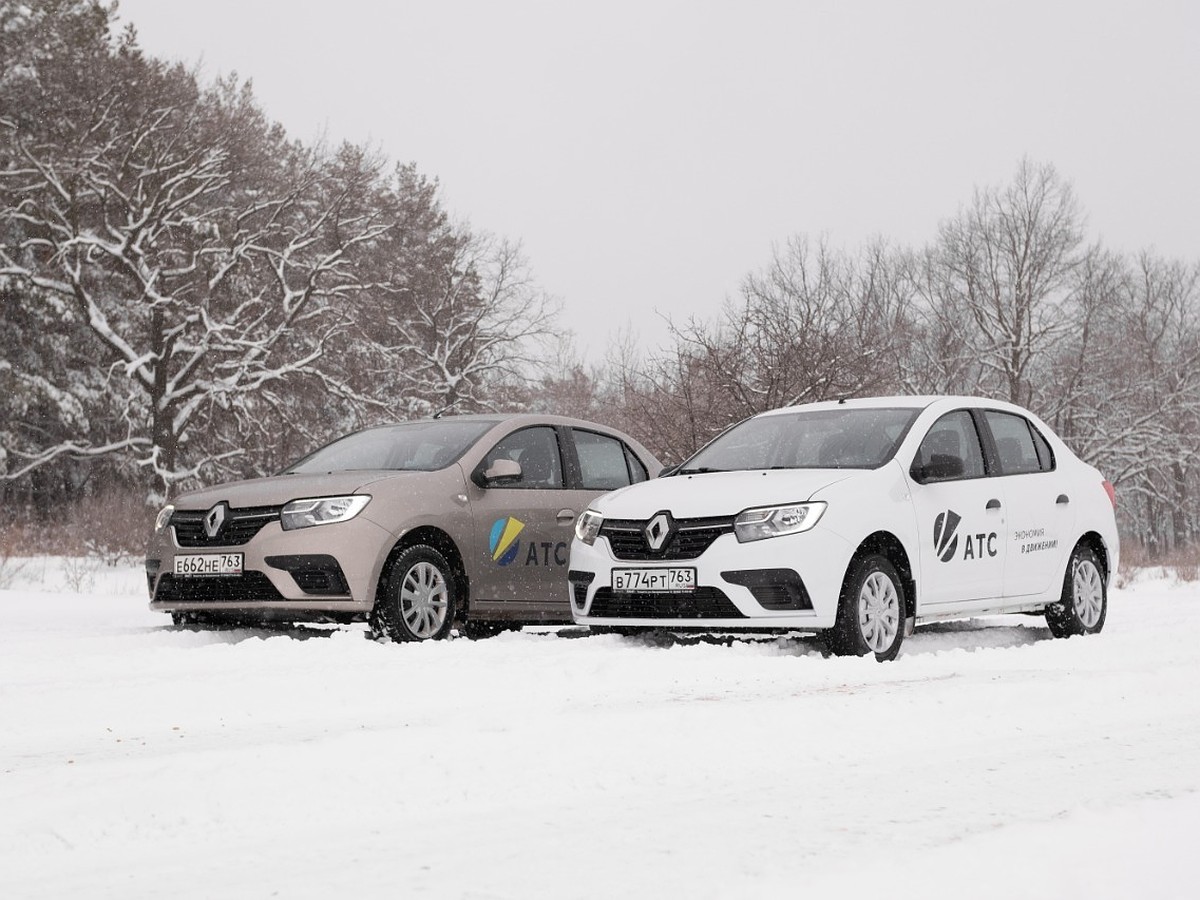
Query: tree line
x: 186, y: 293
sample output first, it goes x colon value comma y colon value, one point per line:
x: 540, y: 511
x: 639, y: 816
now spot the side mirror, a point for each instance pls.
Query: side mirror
x: 941, y: 467
x: 501, y: 472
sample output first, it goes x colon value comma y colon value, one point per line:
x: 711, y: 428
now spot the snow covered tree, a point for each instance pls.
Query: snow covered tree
x: 812, y: 325
x: 1132, y: 402
x: 471, y: 332
x: 187, y: 290
x: 200, y: 255
x: 997, y: 283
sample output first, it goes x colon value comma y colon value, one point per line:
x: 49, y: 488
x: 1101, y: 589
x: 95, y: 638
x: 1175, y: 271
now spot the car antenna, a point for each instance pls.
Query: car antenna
x: 444, y: 409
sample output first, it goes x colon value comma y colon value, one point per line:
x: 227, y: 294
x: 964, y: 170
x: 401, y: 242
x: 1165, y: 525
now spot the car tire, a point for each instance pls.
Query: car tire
x: 622, y: 630
x: 1084, y: 603
x: 475, y: 630
x: 208, y: 621
x: 193, y: 619
x: 417, y: 599
x: 870, y: 612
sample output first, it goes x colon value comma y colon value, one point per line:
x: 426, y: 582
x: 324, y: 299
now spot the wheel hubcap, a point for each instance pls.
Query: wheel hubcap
x: 424, y: 600
x: 878, y: 612
x: 1088, y: 593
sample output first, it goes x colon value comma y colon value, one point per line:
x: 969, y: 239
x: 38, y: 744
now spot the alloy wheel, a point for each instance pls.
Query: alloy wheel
x: 878, y: 611
x: 1087, y: 593
x: 424, y: 599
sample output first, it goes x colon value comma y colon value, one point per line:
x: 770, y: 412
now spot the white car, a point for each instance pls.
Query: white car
x: 858, y: 519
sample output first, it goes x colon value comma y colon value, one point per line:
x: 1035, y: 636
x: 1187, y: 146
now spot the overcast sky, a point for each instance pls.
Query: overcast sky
x: 649, y: 154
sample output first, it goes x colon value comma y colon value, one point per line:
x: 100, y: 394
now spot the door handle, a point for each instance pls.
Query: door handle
x: 993, y: 504
x: 1063, y: 500
x: 566, y: 516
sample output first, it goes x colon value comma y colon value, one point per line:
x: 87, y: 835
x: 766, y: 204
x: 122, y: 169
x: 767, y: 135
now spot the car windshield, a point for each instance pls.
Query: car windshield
x: 852, y: 438
x: 415, y: 446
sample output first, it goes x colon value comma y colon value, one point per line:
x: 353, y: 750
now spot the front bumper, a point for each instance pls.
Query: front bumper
x: 328, y: 569
x: 738, y: 586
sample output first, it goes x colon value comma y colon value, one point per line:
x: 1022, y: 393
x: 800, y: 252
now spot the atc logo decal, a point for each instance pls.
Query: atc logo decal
x: 945, y: 537
x: 503, y: 542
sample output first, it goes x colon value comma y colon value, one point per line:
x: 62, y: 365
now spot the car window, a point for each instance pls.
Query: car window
x: 950, y: 450
x: 1015, y: 448
x: 637, y: 471
x: 849, y: 438
x: 603, y: 465
x: 417, y: 446
x: 536, y: 449
x: 1044, y: 453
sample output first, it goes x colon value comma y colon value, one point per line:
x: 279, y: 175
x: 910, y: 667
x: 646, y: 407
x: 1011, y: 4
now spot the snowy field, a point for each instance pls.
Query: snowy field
x: 140, y: 760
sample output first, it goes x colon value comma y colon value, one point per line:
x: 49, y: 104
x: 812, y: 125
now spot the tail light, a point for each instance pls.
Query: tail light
x: 1112, y: 493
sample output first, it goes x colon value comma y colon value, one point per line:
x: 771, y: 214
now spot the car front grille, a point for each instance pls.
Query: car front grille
x: 702, y: 603
x: 690, y: 538
x: 249, y: 587
x: 240, y: 526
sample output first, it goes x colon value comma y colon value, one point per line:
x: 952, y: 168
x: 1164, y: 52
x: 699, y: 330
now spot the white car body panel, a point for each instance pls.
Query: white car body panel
x: 1007, y: 552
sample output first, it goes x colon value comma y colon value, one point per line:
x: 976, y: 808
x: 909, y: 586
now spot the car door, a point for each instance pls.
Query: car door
x: 523, y: 525
x: 960, y: 518
x: 1040, y: 514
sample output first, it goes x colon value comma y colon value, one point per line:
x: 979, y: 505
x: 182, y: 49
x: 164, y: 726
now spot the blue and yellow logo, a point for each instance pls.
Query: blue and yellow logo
x: 503, y: 542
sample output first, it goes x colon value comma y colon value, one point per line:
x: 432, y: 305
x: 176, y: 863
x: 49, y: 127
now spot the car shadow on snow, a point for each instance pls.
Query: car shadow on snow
x: 977, y: 634
x: 969, y: 634
x: 234, y: 631
x: 237, y: 632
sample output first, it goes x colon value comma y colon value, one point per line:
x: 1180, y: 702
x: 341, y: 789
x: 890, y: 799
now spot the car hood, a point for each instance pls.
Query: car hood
x: 717, y: 493
x: 279, y: 489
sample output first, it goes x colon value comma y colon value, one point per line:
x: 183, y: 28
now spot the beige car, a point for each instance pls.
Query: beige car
x: 413, y: 526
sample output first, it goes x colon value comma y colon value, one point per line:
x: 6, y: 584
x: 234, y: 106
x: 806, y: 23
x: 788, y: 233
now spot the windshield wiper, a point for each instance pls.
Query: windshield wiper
x: 699, y: 470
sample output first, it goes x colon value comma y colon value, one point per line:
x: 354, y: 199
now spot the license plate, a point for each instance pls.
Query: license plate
x: 678, y: 580
x: 206, y: 564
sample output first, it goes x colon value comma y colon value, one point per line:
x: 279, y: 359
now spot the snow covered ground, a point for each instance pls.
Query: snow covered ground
x: 138, y: 760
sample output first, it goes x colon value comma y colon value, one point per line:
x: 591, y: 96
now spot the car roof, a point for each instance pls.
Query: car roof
x: 504, y: 418
x: 910, y: 401
x: 517, y: 420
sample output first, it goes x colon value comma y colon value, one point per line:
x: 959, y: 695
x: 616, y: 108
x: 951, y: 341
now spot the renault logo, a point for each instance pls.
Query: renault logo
x: 658, y: 531
x: 214, y: 519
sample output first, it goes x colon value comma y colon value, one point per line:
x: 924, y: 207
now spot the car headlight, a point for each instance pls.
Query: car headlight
x: 321, y: 511
x: 587, y: 526
x: 773, y: 521
x: 164, y: 518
